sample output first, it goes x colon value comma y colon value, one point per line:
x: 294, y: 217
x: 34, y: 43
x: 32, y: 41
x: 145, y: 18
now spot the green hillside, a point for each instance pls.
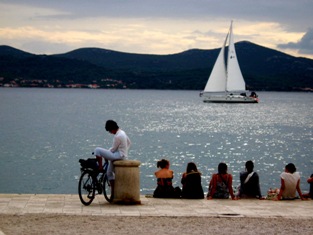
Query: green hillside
x: 262, y: 68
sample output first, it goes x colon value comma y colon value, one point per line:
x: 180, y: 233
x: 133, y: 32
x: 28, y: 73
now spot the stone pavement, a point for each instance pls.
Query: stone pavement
x: 70, y: 205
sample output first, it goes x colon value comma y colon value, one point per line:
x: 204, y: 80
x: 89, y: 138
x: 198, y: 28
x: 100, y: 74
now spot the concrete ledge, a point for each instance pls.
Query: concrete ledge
x: 69, y: 204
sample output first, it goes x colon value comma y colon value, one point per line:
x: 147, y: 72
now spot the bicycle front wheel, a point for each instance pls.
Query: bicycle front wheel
x: 86, y: 188
x: 107, y: 189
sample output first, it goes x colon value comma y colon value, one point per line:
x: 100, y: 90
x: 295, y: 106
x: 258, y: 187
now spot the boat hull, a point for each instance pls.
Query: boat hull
x: 230, y: 99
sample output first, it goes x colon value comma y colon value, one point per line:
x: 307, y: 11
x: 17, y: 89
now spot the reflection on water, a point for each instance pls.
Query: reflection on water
x: 46, y: 131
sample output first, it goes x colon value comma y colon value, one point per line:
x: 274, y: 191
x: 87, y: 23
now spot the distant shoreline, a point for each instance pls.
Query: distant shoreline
x: 103, y: 88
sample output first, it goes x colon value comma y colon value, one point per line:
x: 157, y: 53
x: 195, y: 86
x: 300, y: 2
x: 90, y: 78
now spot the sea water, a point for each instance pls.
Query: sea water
x: 44, y: 132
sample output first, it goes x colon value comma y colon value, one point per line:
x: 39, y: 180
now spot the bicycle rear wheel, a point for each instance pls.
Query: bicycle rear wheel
x: 86, y: 188
x: 107, y: 190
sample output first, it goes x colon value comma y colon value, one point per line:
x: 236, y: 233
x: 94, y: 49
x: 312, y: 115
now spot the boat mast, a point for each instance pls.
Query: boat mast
x: 228, y: 51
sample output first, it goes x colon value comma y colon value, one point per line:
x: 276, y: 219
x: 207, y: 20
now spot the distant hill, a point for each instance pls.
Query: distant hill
x: 262, y: 68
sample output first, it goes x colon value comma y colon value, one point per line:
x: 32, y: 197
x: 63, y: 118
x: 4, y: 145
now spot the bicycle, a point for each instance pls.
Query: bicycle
x: 91, y: 180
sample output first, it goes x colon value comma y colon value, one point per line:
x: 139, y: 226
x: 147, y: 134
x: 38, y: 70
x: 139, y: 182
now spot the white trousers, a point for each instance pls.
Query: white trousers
x: 111, y: 157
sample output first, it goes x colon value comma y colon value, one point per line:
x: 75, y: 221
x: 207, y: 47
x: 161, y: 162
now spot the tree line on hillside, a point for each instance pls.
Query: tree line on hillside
x: 264, y: 69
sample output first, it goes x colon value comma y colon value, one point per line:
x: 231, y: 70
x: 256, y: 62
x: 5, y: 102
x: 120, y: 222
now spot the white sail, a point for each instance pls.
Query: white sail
x: 217, y: 79
x: 235, y: 81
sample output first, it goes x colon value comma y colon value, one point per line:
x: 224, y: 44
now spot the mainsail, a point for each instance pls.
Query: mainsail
x: 234, y: 81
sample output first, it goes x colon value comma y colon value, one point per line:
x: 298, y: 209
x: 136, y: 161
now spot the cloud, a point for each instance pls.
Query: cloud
x: 270, y: 11
x: 303, y: 46
x: 149, y: 26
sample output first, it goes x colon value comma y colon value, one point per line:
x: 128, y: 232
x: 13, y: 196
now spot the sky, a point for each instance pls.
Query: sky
x: 155, y: 26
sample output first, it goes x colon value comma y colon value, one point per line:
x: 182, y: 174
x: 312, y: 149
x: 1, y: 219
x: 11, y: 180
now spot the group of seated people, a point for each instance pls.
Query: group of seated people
x: 220, y: 186
x: 191, y: 181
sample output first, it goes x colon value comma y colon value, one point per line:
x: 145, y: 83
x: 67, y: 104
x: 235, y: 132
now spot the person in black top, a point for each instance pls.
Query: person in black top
x: 191, y: 181
x: 249, y: 183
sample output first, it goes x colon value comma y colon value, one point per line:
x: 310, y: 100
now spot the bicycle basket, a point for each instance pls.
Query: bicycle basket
x: 90, y: 163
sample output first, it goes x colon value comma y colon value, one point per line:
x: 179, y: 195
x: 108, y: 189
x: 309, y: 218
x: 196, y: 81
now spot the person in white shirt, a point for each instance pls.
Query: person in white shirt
x: 118, y: 151
x: 290, y: 183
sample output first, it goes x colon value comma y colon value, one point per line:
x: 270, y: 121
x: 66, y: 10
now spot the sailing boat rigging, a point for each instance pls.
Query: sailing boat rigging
x: 226, y: 83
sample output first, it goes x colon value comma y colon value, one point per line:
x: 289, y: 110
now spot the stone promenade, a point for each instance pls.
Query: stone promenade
x: 64, y: 204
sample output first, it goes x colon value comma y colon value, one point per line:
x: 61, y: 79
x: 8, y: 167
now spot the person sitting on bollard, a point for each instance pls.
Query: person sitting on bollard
x: 118, y: 151
x: 221, y: 184
x: 249, y: 183
x: 164, y: 177
x: 290, y: 183
x: 191, y: 181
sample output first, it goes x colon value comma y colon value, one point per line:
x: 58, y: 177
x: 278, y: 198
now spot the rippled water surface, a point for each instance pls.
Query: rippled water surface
x: 45, y: 131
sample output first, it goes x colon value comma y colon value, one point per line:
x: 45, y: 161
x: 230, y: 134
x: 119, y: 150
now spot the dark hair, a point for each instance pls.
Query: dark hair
x: 291, y: 168
x: 162, y: 163
x: 111, y: 125
x: 222, y: 168
x: 249, y: 166
x: 191, y: 167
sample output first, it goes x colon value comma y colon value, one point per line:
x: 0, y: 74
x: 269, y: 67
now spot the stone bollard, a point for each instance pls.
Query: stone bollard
x: 127, y: 182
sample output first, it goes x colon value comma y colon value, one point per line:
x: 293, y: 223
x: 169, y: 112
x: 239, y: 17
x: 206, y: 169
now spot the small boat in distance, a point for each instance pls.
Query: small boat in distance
x: 226, y: 83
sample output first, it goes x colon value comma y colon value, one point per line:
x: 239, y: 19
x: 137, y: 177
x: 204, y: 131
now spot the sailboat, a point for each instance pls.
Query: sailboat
x: 226, y: 83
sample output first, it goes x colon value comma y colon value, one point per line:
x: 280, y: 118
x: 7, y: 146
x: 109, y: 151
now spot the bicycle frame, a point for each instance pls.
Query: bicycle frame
x: 92, y: 180
x: 99, y: 178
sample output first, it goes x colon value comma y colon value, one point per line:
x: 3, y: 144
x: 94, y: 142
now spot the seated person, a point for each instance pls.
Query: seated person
x: 249, y: 183
x: 221, y: 184
x: 253, y: 95
x: 290, y: 183
x: 191, y: 180
x: 310, y: 194
x: 164, y: 177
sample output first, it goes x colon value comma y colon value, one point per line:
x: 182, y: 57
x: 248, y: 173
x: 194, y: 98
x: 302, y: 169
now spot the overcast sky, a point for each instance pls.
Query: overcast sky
x: 155, y: 26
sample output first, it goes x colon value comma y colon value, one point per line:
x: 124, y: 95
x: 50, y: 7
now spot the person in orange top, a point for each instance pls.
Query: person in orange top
x: 310, y: 194
x: 221, y: 184
x: 164, y: 177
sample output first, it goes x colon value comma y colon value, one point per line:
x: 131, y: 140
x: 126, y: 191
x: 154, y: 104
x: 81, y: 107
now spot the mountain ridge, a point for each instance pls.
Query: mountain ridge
x: 263, y: 68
